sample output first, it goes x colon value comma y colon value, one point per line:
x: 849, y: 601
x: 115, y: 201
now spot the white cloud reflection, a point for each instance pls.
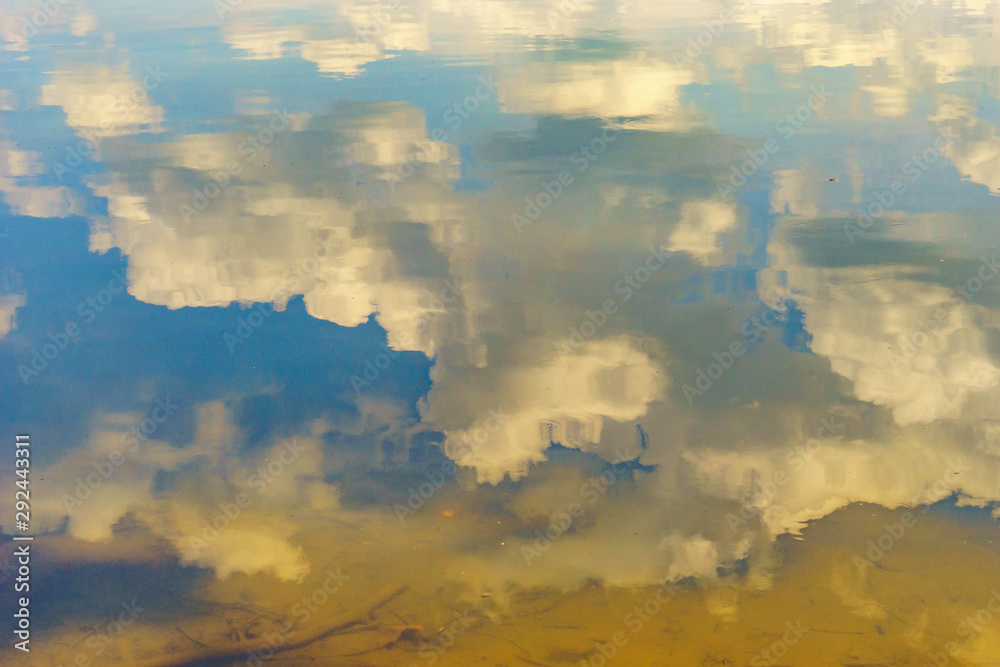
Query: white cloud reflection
x: 361, y: 213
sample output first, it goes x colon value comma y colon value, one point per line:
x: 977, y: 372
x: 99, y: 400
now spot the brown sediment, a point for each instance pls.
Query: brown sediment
x: 227, y: 654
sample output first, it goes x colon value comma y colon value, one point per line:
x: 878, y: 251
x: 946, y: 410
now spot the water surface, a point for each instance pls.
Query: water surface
x: 480, y: 332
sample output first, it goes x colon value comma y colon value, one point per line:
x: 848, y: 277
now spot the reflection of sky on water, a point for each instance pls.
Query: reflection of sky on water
x: 533, y: 240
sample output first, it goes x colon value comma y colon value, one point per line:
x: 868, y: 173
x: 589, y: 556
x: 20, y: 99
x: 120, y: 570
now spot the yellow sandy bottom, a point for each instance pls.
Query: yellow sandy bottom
x: 817, y: 606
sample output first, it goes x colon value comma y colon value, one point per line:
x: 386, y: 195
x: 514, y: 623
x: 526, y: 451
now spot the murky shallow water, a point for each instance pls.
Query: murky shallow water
x: 502, y: 333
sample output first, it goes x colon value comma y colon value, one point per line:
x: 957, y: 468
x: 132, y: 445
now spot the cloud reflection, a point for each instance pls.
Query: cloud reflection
x: 544, y: 395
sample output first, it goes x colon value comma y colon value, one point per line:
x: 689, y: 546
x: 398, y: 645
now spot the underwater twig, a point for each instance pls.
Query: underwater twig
x: 181, y: 630
x: 512, y: 643
x: 228, y: 654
